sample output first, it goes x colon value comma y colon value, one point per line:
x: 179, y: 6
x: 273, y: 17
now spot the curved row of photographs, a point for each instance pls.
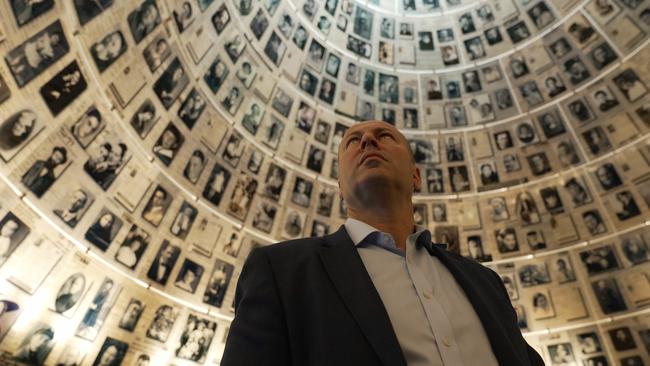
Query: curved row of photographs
x: 87, y: 310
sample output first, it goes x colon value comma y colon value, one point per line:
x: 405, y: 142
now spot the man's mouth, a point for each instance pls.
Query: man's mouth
x: 371, y: 156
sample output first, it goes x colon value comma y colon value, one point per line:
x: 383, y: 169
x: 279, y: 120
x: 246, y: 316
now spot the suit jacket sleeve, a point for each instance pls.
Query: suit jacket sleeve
x: 533, y: 356
x: 258, y: 334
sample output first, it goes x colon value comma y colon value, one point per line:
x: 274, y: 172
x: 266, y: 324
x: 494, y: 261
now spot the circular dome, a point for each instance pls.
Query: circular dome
x: 147, y: 147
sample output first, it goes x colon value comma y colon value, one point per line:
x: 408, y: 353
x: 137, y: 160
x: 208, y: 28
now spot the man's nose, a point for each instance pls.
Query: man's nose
x: 368, y: 140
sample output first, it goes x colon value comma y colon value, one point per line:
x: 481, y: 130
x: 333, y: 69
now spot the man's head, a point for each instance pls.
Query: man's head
x: 375, y: 153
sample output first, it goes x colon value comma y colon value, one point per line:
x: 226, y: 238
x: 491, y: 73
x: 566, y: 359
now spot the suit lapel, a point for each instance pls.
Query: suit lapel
x: 350, y: 278
x: 499, y: 337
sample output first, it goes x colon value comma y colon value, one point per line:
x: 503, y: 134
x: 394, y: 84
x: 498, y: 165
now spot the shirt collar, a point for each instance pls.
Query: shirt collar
x: 359, y: 230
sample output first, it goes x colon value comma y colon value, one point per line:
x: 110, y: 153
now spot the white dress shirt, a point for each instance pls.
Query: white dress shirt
x: 433, y: 320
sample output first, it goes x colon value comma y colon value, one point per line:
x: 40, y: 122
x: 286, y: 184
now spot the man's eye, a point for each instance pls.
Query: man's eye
x: 386, y: 135
x: 352, y: 140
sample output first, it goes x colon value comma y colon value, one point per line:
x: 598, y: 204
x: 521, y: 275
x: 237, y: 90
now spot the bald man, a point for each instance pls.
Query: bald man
x: 377, y: 291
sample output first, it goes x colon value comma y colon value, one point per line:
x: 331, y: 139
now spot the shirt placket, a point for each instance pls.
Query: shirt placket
x: 435, y: 313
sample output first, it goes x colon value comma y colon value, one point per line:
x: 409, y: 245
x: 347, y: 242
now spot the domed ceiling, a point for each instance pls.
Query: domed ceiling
x: 146, y: 147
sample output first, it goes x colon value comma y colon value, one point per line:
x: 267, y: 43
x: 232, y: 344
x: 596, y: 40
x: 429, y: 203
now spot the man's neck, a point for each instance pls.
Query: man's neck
x: 397, y: 222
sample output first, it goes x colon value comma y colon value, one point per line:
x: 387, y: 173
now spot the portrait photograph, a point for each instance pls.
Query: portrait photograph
x: 108, y: 49
x: 63, y: 88
x: 37, y: 53
x: 259, y: 24
x: 607, y: 176
x: 70, y: 293
x: 235, y: 147
x: 282, y: 102
x: 36, y: 345
x: 294, y: 224
x: 327, y: 91
x: 195, y: 166
x: 162, y: 323
x: 609, y: 295
x: 111, y: 353
x: 171, y: 83
x: 599, y: 260
x: 106, y: 160
x: 221, y: 18
x: 163, y: 263
x: 635, y: 249
x: 88, y: 126
x: 242, y: 197
x: 518, y: 32
x: 216, y: 184
x: 9, y: 311
x: 232, y: 100
x: 189, y: 276
x: 218, y: 283
x: 157, y: 206
x: 72, y: 208
x: 168, y: 144
x: 597, y: 140
x: 264, y: 216
x: 246, y: 72
x: 195, y: 339
x: 184, y: 220
x: 12, y: 232
x: 88, y: 10
x: 594, y: 222
x: 533, y: 274
x: 622, y: 339
x: 17, y: 131
x: 216, y: 74
x: 133, y: 247
x: 274, y: 181
x: 630, y: 85
x: 98, y: 309
x: 104, y: 229
x: 131, y: 315
x: 562, y: 269
x: 561, y: 354
x: 275, y: 49
x: 459, y: 178
x: 518, y: 66
x: 143, y: 20
x: 191, y: 108
x: 589, y: 343
x: 301, y: 194
x: 183, y: 15
x: 476, y: 249
x: 156, y: 52
x: 535, y: 239
x: 541, y: 305
x: 144, y: 118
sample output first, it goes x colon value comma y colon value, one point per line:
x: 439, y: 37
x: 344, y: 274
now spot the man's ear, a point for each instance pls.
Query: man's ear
x: 417, y: 178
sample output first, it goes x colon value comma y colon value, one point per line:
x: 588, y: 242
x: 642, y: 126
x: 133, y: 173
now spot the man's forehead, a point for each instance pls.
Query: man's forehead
x: 369, y: 125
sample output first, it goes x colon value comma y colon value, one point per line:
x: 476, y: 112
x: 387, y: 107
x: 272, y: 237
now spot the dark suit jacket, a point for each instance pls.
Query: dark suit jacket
x: 311, y: 302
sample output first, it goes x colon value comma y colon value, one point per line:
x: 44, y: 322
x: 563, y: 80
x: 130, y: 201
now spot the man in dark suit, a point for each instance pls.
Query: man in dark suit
x: 377, y: 291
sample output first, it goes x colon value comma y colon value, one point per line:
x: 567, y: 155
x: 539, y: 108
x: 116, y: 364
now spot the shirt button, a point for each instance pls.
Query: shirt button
x: 445, y: 341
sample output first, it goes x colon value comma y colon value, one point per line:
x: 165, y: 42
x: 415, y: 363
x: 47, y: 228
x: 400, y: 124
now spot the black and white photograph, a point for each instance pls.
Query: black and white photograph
x: 9, y: 311
x: 108, y: 49
x: 622, y: 338
x: 111, y: 353
x: 196, y: 339
x: 106, y: 160
x: 183, y: 15
x: 171, y: 83
x: 232, y: 100
x: 221, y: 18
x: 609, y: 295
x: 259, y: 23
x: 37, y: 53
x: 156, y: 52
x: 163, y: 263
x: 541, y: 15
x: 157, y: 206
x: 184, y: 220
x: 218, y: 283
x: 63, y: 88
x: 506, y: 239
x: 103, y: 229
x: 594, y: 222
x: 578, y: 192
x: 607, y: 176
x: 282, y: 102
x: 131, y: 316
x: 599, y: 260
x: 533, y: 274
x: 242, y: 196
x: 98, y: 309
x: 216, y: 74
x: 162, y: 323
x: 88, y: 126
x: 88, y: 10
x: 17, y: 131
x: 302, y: 189
x: 630, y: 85
x: 294, y: 224
x: 189, y: 276
x: 541, y: 304
x: 36, y: 345
x: 26, y: 11
x: 43, y: 173
x: 635, y: 249
x: 133, y: 247
x: 144, y: 118
x: 69, y: 294
x: 561, y: 354
x: 143, y: 20
x: 605, y: 99
x: 246, y: 73
x: 518, y: 32
x: 275, y: 48
x: 216, y: 184
x: 191, y: 108
x: 72, y: 208
x: 264, y: 216
x: 562, y: 269
x: 476, y: 249
x: 589, y: 343
x: 168, y: 144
